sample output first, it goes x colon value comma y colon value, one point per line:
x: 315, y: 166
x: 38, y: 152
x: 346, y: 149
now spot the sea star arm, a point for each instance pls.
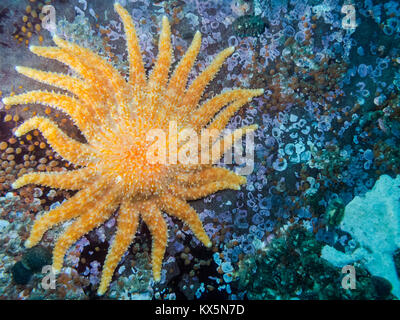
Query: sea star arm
x: 195, y: 90
x: 70, y: 149
x: 183, y: 211
x: 62, y: 81
x: 178, y: 81
x: 81, y: 202
x: 210, y: 175
x: 209, y: 108
x: 137, y: 74
x: 88, y: 73
x: 86, y: 222
x: 106, y: 74
x: 204, y: 190
x: 72, y: 84
x: 127, y: 223
x: 222, y: 119
x: 212, y: 151
x: 225, y: 143
x: 159, y: 75
x: 69, y: 180
x: 69, y: 105
x: 154, y: 220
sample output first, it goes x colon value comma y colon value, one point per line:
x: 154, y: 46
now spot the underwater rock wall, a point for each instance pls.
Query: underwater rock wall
x: 373, y: 220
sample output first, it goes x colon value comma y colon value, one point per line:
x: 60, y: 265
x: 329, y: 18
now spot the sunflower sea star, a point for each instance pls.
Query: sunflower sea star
x: 114, y: 115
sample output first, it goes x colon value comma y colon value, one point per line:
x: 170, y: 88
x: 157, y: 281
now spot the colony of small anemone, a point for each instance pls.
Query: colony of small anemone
x: 31, y: 22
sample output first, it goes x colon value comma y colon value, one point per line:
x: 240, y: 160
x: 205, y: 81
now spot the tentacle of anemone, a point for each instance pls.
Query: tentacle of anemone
x: 108, y: 75
x: 88, y: 73
x: 86, y: 222
x: 159, y: 75
x: 137, y: 74
x: 196, y: 89
x: 178, y: 81
x: 69, y: 180
x: 69, y: 105
x: 61, y: 81
x: 202, y: 191
x: 209, y: 108
x: 221, y: 146
x: 68, y: 148
x: 154, y: 220
x: 81, y: 202
x: 210, y: 175
x: 128, y: 218
x: 183, y: 211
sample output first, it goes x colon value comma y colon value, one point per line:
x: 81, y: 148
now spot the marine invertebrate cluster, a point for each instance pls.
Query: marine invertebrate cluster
x: 31, y: 22
x: 114, y: 115
x: 249, y: 25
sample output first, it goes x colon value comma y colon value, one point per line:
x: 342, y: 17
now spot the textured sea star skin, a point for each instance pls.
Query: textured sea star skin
x: 114, y: 114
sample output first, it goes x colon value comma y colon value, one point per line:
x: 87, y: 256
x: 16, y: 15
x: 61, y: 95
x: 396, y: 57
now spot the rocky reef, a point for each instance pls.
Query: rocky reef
x: 373, y: 221
x: 291, y: 267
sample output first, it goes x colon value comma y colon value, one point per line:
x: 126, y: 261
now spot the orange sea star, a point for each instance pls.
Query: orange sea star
x: 114, y: 115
